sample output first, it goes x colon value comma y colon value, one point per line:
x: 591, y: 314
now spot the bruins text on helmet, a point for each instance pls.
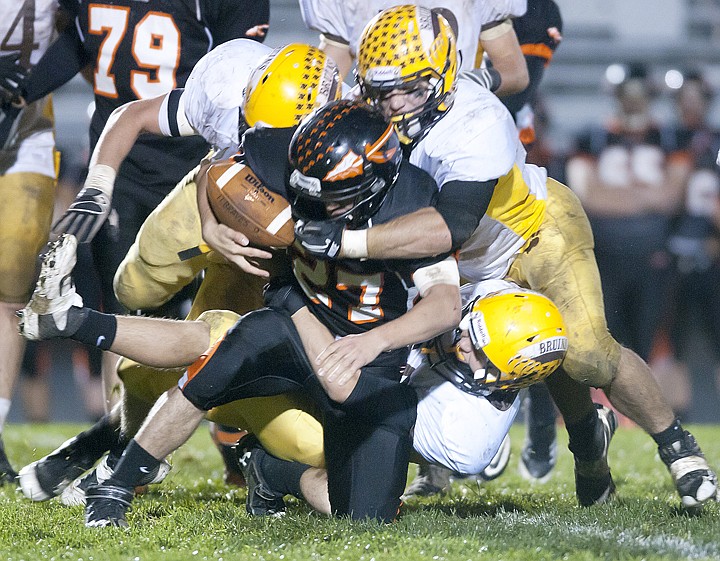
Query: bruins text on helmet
x: 519, y: 334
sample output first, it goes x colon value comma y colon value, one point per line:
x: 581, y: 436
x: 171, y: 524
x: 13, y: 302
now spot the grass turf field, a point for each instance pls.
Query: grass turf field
x: 194, y: 516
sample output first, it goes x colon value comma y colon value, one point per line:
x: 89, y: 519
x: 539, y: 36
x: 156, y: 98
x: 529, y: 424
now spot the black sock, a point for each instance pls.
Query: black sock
x: 134, y: 465
x: 99, y: 438
x: 96, y: 329
x: 583, y: 443
x: 283, y: 476
x: 671, y: 434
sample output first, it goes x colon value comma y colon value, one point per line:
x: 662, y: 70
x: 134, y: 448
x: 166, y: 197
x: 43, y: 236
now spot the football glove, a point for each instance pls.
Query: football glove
x: 320, y: 238
x: 91, y: 206
x: 12, y: 78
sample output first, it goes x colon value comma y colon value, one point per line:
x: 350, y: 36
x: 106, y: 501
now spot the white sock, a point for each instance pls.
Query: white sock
x: 4, y: 410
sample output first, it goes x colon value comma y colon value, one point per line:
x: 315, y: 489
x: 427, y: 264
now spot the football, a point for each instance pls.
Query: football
x: 241, y: 201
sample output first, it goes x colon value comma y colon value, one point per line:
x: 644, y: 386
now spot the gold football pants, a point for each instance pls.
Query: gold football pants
x: 26, y: 210
x: 559, y: 262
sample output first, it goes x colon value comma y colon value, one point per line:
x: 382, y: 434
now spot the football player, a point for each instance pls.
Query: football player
x: 293, y: 344
x: 235, y: 86
x: 509, y: 221
x: 509, y: 339
x: 137, y: 50
x: 484, y: 27
x: 28, y: 173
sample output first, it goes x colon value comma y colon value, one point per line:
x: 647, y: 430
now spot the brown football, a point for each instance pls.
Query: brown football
x: 241, y: 201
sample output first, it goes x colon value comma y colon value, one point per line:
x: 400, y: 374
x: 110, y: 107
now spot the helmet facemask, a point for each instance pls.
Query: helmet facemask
x: 401, y: 47
x: 344, y: 156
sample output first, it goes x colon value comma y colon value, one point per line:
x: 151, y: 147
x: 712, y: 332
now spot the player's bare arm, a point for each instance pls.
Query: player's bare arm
x: 502, y: 47
x: 437, y: 311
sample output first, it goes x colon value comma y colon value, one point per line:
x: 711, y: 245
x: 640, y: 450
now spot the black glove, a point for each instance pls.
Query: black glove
x: 12, y: 78
x: 85, y: 215
x: 320, y: 239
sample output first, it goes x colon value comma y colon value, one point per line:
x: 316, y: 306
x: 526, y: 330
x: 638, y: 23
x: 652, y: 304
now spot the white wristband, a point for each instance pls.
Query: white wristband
x: 102, y: 178
x: 354, y: 244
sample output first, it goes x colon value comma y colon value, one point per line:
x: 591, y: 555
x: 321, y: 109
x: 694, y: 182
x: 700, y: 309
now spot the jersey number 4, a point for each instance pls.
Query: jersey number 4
x: 155, y: 48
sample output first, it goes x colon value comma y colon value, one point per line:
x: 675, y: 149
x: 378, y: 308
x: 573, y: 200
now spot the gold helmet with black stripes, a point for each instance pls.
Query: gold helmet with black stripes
x: 403, y: 48
x: 519, y: 338
x: 289, y: 84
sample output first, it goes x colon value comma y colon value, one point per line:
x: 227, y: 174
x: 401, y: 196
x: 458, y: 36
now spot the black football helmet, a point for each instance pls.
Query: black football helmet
x: 344, y: 158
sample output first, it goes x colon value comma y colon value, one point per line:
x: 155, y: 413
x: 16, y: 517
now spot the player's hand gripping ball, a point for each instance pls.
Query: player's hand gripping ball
x: 241, y: 201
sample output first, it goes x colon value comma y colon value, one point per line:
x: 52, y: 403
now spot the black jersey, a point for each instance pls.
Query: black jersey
x: 538, y: 46
x: 348, y: 296
x: 142, y: 49
x: 352, y: 296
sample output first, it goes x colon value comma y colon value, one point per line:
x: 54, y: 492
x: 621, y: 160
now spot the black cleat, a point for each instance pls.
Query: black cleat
x: 593, y: 481
x: 49, y: 476
x: 539, y: 453
x: 7, y: 473
x: 695, y: 482
x: 107, y: 505
x: 261, y: 500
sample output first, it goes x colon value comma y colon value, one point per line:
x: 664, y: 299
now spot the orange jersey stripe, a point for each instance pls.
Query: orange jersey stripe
x: 537, y: 49
x: 200, y: 363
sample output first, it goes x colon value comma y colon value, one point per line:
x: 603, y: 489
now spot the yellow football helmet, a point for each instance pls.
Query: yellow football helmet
x: 402, y: 47
x: 290, y: 83
x: 520, y: 335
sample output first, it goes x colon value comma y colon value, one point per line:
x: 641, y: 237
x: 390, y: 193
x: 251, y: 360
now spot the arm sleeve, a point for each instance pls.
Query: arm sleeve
x: 63, y: 59
x: 172, y: 118
x: 462, y: 204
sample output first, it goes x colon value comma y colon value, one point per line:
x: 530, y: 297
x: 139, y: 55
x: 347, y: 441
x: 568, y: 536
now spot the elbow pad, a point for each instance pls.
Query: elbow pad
x: 462, y: 204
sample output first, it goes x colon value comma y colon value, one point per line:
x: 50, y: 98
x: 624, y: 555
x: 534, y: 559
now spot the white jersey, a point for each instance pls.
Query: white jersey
x: 29, y: 33
x: 345, y: 20
x: 209, y: 104
x: 460, y: 431
x: 477, y: 140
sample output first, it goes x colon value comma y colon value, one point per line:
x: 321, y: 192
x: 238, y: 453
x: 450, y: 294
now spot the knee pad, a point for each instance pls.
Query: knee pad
x: 593, y: 361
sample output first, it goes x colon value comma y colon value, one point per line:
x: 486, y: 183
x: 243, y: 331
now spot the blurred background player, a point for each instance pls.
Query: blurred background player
x: 136, y: 50
x: 631, y: 184
x: 28, y: 172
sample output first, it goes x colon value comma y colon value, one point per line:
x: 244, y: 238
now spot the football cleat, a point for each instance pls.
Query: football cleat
x: 261, y: 500
x: 695, y: 482
x: 75, y: 493
x: 539, y: 453
x: 49, y: 313
x: 49, y: 476
x: 499, y: 462
x: 107, y: 506
x: 593, y: 482
x: 7, y: 473
x: 430, y: 480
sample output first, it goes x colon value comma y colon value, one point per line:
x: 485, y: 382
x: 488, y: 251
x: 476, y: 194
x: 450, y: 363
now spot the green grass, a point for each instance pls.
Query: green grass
x: 194, y: 516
